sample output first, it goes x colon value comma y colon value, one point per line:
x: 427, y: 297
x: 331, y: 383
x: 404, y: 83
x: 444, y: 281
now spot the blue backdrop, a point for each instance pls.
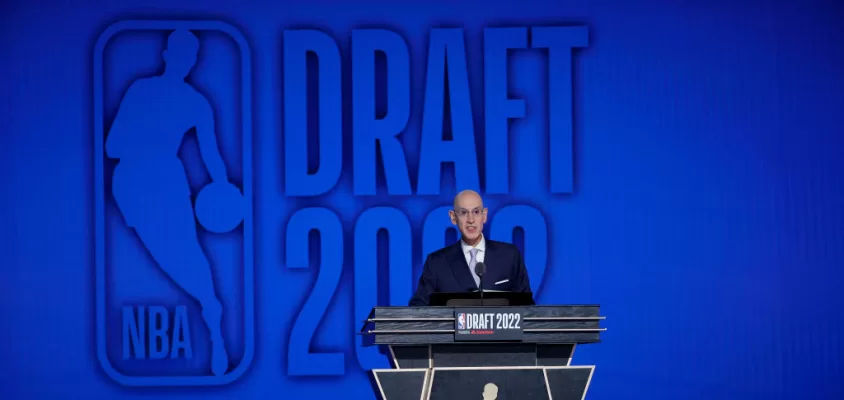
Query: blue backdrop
x: 677, y: 163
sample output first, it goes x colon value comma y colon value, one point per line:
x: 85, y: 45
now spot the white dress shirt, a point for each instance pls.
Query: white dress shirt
x: 479, y: 257
x: 481, y: 246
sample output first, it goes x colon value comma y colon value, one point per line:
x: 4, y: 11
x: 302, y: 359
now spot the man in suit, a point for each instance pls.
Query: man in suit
x: 452, y: 269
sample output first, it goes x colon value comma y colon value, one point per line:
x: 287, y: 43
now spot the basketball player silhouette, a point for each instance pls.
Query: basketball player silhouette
x: 150, y: 185
x: 490, y: 392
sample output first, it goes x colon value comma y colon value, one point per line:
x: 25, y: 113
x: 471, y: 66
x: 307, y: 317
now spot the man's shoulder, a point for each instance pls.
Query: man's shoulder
x: 442, y: 252
x: 501, y: 245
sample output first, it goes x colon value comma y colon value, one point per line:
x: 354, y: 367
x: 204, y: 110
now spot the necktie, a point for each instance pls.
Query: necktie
x: 472, y: 261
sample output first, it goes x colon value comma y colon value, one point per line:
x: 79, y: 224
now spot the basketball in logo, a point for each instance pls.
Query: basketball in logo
x: 219, y: 207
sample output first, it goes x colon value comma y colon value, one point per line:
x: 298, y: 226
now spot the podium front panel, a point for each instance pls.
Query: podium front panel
x: 489, y: 383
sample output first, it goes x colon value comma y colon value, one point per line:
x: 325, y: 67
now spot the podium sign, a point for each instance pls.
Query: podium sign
x: 488, y: 324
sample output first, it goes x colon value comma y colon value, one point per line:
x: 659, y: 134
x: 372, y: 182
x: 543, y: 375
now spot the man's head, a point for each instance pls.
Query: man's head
x: 469, y: 215
x: 180, y: 55
x: 490, y: 391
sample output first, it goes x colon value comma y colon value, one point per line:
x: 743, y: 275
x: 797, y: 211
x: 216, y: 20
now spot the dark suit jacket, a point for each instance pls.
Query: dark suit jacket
x: 446, y: 270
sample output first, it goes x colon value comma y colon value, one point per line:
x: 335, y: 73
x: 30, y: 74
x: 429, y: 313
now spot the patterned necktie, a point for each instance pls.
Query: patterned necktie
x: 472, y: 261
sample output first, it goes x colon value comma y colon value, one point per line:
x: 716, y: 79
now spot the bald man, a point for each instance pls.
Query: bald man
x: 452, y: 269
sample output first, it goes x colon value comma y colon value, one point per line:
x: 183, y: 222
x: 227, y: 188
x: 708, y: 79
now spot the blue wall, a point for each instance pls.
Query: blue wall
x: 695, y: 190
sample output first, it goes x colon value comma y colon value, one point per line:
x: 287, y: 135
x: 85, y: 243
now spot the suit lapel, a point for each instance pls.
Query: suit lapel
x: 460, y: 269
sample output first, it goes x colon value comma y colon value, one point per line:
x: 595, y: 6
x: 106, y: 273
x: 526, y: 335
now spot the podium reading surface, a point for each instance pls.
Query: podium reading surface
x: 491, y: 352
x: 490, y: 298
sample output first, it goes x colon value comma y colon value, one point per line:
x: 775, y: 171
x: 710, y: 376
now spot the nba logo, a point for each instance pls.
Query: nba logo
x: 461, y: 321
x: 173, y: 202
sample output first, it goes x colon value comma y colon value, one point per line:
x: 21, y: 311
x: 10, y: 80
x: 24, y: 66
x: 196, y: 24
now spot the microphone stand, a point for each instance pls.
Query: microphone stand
x: 481, y: 288
x: 480, y: 270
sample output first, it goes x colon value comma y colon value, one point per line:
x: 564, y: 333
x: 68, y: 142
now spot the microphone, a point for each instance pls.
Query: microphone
x: 480, y: 269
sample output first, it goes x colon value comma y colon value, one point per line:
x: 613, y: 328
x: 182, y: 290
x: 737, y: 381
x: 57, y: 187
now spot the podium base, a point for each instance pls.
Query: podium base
x: 488, y: 383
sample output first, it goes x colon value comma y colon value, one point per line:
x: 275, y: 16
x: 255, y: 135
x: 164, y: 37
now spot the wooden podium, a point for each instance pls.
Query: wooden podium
x: 463, y: 350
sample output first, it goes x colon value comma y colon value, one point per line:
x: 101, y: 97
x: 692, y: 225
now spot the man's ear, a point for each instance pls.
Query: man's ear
x: 453, y: 217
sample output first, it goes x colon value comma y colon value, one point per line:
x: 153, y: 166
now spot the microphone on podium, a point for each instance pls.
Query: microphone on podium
x: 480, y: 269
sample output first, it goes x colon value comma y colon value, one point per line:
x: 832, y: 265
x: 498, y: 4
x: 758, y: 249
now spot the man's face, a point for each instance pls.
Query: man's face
x: 469, y: 215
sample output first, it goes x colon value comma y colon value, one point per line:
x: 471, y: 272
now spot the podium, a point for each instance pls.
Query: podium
x: 501, y: 350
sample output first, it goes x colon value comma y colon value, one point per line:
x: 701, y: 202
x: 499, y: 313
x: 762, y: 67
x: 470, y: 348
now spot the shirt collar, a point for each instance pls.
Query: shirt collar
x: 481, y: 246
